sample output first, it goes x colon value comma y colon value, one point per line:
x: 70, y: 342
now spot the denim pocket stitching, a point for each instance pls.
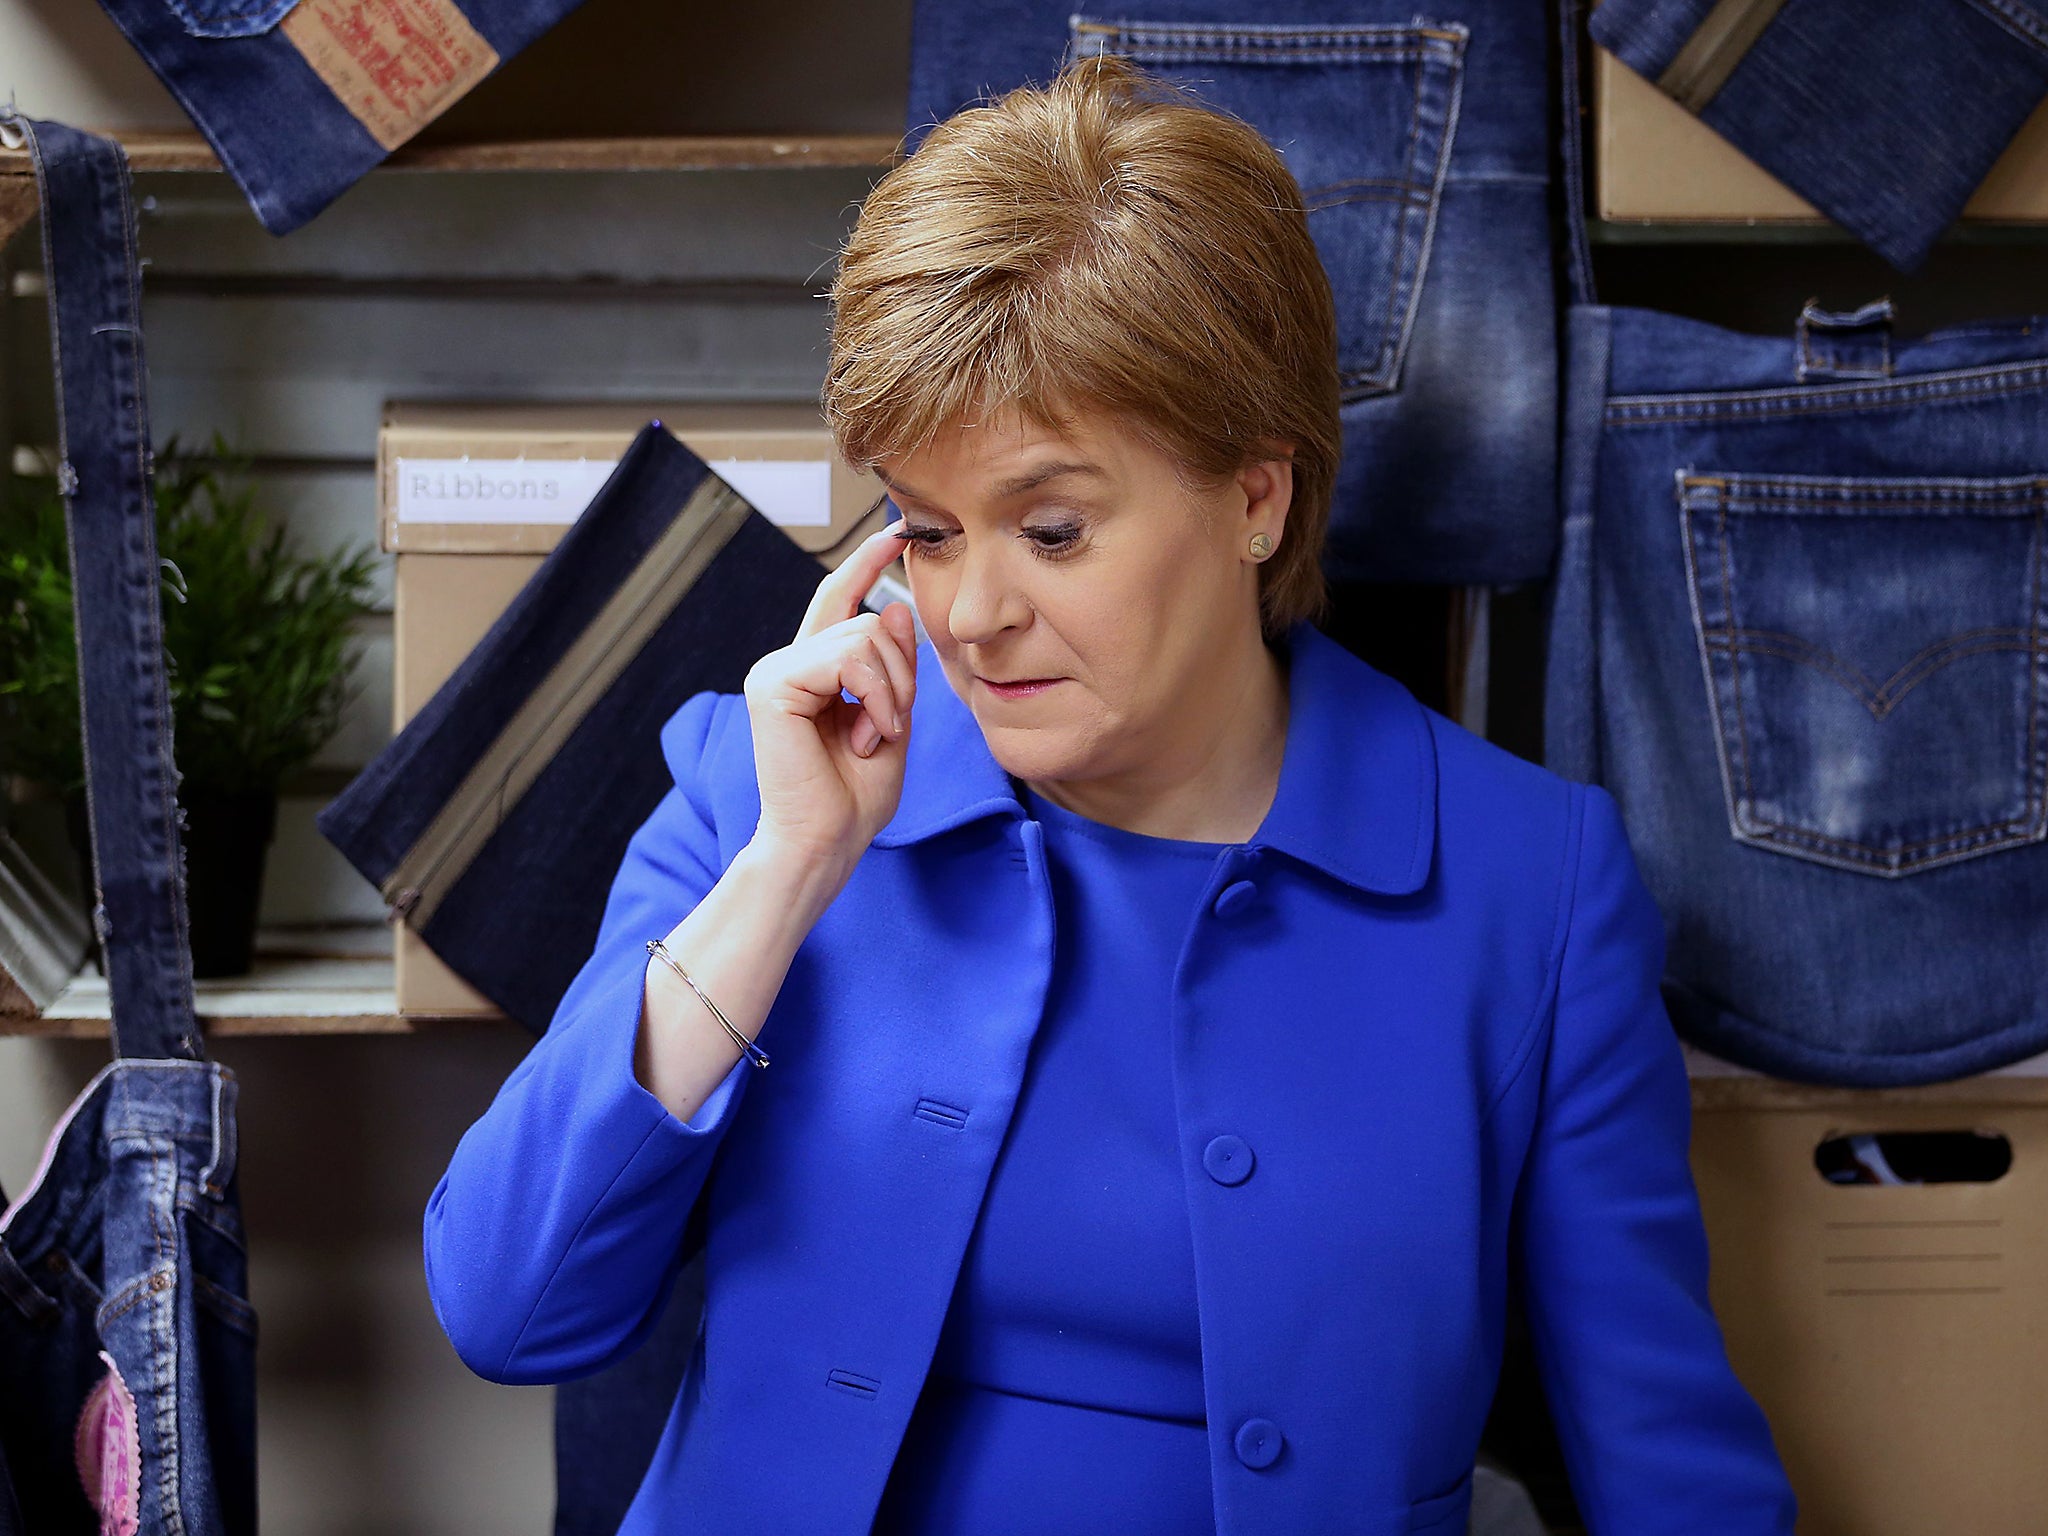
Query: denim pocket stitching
x: 1879, y: 698
x: 225, y: 1307
x: 1961, y: 384
x: 202, y: 19
x: 2018, y: 20
x: 1719, y: 494
x: 1427, y: 44
x: 1404, y: 281
x: 1268, y: 42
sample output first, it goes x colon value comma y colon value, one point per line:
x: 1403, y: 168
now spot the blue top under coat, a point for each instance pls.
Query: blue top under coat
x: 1066, y: 1392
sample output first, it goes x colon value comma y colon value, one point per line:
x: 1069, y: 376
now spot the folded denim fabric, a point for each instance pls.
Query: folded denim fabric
x: 1884, y: 117
x: 495, y: 820
x: 300, y: 98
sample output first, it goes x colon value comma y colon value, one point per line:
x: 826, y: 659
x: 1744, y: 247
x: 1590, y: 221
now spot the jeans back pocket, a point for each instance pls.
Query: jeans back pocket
x: 1364, y: 117
x: 1876, y: 660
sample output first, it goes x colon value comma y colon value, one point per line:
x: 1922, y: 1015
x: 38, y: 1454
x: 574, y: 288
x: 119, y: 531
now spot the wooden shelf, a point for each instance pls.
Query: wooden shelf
x: 190, y: 152
x: 1794, y: 232
x: 306, y: 981
x: 187, y: 152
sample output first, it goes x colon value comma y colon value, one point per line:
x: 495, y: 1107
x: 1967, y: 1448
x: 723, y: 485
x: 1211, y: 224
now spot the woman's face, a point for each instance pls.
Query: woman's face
x: 1078, y: 591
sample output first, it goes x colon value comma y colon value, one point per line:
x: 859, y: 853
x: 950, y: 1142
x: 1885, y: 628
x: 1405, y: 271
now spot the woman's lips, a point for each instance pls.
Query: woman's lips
x: 1024, y: 688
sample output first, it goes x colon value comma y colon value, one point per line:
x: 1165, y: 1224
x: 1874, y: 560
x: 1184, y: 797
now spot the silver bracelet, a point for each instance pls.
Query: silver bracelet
x: 754, y: 1053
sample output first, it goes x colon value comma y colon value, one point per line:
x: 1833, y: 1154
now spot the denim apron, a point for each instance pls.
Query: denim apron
x: 300, y: 98
x: 1886, y: 118
x: 1800, y: 632
x: 127, y: 1345
x: 1423, y: 139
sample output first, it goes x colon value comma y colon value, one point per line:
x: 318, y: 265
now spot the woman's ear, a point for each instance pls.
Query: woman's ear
x: 1268, y: 487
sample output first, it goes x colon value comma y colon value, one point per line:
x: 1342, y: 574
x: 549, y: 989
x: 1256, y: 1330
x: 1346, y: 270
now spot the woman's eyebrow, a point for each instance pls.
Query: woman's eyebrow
x: 1032, y: 479
x: 897, y: 488
x: 1016, y: 485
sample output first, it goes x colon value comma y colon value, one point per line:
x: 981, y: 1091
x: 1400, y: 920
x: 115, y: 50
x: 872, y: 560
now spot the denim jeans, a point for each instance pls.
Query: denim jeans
x: 1884, y: 118
x: 300, y: 98
x: 127, y: 1386
x: 1423, y: 145
x: 495, y: 820
x: 1800, y: 632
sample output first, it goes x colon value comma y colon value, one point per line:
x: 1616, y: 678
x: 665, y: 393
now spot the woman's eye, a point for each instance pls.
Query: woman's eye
x: 1052, y: 539
x: 923, y: 540
x: 1055, y: 538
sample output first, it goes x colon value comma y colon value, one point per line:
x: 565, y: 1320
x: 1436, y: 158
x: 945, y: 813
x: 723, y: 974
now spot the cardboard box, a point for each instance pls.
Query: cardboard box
x: 509, y: 479
x: 454, y: 574
x: 1896, y: 1336
x: 1654, y: 160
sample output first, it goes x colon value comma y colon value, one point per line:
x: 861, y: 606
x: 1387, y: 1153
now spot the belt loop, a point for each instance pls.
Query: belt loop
x: 220, y: 1164
x: 1845, y: 344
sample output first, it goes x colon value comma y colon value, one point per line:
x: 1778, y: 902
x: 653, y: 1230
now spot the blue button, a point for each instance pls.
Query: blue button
x: 1236, y: 898
x: 1258, y: 1443
x: 1228, y: 1159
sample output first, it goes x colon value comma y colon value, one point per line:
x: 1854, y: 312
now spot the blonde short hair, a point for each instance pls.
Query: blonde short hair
x: 1103, y: 242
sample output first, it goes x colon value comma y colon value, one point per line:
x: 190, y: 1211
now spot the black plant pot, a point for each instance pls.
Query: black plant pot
x: 226, y: 837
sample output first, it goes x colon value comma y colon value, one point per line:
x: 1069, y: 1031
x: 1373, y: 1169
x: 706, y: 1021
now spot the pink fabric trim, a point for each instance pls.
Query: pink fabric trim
x: 109, y: 1452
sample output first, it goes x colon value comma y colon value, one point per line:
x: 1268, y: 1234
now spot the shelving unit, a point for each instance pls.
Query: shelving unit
x: 1792, y: 232
x: 334, y: 980
x: 189, y: 152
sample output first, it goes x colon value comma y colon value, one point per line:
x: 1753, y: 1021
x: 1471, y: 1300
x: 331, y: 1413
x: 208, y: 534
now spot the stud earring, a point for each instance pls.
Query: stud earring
x: 1262, y: 545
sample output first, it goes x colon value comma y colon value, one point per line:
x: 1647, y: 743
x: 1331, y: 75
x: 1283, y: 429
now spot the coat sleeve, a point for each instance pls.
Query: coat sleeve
x: 557, y: 1229
x: 1610, y: 1248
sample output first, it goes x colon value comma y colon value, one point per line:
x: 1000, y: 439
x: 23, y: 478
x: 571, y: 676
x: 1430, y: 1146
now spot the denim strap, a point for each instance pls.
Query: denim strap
x: 1571, y: 151
x: 94, y: 288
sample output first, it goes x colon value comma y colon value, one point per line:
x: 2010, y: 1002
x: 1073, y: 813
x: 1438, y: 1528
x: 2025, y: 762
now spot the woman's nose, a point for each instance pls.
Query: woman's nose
x: 985, y: 602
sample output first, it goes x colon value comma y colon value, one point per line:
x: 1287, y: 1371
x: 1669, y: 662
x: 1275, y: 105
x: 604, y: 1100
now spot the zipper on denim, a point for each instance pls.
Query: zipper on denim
x: 628, y: 620
x: 1698, y: 70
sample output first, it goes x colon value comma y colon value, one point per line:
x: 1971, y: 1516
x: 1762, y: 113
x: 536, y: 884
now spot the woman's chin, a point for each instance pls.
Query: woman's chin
x: 1035, y: 753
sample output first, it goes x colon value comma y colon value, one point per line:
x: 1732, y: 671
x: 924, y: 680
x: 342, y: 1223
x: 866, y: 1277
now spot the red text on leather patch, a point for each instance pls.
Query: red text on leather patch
x: 396, y: 64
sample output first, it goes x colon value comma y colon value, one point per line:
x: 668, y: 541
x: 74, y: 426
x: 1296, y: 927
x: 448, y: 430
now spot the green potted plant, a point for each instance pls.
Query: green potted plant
x: 257, y: 655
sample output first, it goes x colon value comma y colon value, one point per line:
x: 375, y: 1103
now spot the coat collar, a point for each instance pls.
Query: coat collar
x: 1357, y: 794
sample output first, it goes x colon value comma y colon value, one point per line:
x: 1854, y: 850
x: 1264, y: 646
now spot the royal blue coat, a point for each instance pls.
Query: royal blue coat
x: 1419, y: 1053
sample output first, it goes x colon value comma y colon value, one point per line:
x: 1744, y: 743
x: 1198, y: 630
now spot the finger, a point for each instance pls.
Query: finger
x: 864, y: 738
x: 839, y: 595
x: 867, y: 679
x: 897, y: 643
x: 812, y: 672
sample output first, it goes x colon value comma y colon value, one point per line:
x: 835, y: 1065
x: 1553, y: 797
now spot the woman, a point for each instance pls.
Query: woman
x: 1180, y: 1036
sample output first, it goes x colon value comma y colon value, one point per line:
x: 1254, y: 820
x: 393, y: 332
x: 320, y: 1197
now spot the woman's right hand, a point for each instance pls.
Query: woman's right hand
x: 830, y: 772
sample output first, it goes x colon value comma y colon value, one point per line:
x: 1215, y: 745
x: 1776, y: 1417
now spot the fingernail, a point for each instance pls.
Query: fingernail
x: 896, y: 722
